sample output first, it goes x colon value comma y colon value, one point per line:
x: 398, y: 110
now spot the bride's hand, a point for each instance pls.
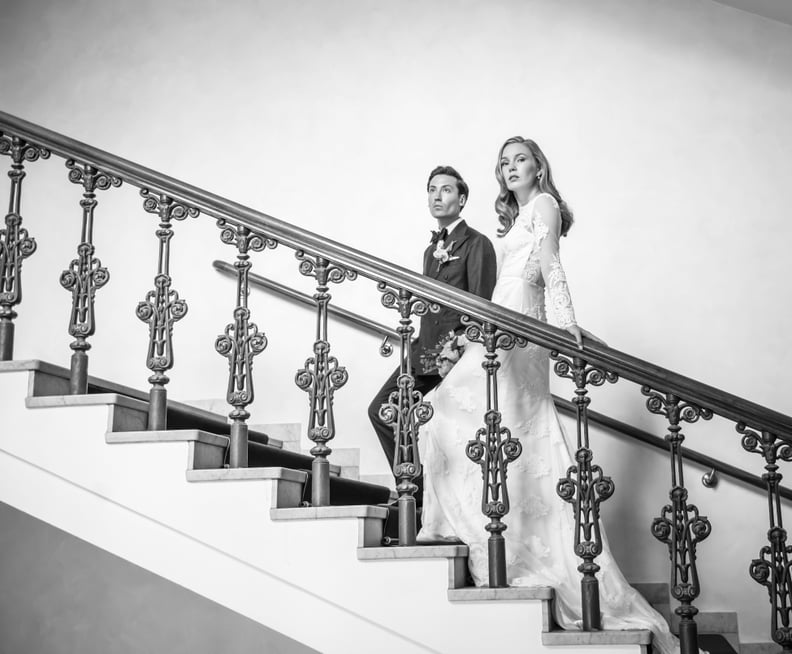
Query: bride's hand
x: 578, y: 333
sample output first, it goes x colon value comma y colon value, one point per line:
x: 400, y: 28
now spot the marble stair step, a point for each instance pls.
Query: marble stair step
x: 131, y: 414
x: 383, y: 479
x: 711, y: 622
x: 551, y: 635
x: 260, y: 455
x: 558, y: 637
x: 719, y: 644
x: 370, y: 518
x: 456, y: 554
x: 128, y: 416
x: 343, y: 491
x: 289, y: 434
x: 346, y: 458
x: 51, y: 381
x: 759, y: 648
x: 718, y: 629
x: 289, y: 483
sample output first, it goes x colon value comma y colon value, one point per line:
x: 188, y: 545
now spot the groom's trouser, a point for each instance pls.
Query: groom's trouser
x: 423, y: 384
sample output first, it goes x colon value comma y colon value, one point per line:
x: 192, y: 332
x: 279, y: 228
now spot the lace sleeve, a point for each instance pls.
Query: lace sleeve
x: 547, y: 226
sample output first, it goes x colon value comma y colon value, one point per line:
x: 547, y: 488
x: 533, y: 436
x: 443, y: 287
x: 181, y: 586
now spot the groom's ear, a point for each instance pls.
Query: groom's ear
x: 462, y: 200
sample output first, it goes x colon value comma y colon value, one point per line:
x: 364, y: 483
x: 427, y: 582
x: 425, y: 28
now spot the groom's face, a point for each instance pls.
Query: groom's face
x: 444, y: 199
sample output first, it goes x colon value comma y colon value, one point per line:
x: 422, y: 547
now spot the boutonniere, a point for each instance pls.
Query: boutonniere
x: 443, y: 253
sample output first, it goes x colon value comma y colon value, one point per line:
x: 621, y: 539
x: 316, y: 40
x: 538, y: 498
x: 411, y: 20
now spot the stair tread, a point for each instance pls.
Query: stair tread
x: 180, y: 415
x: 263, y: 452
x: 481, y: 594
x: 604, y: 637
x: 92, y: 399
x: 167, y: 436
x: 244, y: 474
x: 329, y: 512
x: 262, y: 457
x: 183, y: 415
x: 412, y: 552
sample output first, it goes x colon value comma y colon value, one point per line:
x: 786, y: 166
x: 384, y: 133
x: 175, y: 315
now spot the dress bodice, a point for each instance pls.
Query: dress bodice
x: 528, y: 261
x: 518, y: 249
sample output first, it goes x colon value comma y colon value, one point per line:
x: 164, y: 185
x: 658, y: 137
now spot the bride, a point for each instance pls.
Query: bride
x: 541, y: 527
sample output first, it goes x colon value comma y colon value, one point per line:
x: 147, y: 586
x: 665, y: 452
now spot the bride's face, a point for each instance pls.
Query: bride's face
x: 518, y: 168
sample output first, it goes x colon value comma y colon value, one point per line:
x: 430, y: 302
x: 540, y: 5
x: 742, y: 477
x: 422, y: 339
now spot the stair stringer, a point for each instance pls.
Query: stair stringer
x: 301, y: 578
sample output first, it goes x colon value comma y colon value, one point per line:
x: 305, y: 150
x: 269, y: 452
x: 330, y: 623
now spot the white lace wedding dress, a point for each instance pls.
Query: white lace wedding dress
x: 540, y: 525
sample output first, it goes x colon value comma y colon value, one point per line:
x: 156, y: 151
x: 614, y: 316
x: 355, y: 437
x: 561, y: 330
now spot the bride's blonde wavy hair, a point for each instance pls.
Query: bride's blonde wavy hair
x: 506, y: 204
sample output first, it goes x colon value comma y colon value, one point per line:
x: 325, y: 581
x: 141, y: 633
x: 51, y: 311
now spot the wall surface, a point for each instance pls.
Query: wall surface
x: 62, y: 594
x: 666, y: 124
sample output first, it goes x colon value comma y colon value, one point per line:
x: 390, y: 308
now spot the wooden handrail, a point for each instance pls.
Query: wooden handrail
x: 563, y: 405
x: 637, y: 370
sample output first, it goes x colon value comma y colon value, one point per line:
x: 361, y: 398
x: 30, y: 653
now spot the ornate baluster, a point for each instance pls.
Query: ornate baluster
x: 241, y: 340
x: 162, y: 306
x: 406, y: 410
x: 85, y: 274
x: 494, y: 448
x: 15, y: 243
x: 321, y: 375
x: 585, y: 487
x: 773, y: 567
x: 680, y: 526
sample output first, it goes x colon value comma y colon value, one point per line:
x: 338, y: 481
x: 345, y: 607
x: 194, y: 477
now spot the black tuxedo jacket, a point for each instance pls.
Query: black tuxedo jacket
x: 474, y: 271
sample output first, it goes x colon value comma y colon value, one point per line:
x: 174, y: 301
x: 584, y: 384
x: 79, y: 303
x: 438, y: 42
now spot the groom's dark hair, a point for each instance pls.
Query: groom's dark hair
x: 451, y: 172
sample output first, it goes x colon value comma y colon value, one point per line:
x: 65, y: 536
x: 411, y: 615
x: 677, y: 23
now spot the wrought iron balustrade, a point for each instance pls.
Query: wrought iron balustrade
x: 764, y: 431
x: 16, y: 244
x: 622, y: 429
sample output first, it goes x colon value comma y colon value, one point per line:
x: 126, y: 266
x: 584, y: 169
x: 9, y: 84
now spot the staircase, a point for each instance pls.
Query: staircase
x: 242, y: 535
x: 260, y: 551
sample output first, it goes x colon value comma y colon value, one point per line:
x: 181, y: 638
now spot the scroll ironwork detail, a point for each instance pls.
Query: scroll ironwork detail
x: 773, y: 568
x: 493, y: 447
x: 85, y: 274
x: 16, y: 244
x: 241, y: 340
x: 162, y: 306
x: 321, y: 376
x: 585, y: 486
x: 405, y: 409
x: 680, y: 525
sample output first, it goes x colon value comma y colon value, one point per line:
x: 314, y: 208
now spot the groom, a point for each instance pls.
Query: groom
x: 457, y: 255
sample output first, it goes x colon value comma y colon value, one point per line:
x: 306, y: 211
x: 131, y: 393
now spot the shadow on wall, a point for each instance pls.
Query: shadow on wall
x: 62, y: 594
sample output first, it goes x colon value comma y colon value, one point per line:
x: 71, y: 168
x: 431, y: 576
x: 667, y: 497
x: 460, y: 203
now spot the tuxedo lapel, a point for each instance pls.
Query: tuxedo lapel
x: 428, y: 267
x: 458, y: 236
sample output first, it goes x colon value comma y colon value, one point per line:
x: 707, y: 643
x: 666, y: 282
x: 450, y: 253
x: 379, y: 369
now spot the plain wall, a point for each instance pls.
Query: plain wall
x: 667, y: 125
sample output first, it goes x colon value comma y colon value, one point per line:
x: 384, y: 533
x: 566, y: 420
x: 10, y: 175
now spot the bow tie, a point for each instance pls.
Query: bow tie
x: 440, y: 235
